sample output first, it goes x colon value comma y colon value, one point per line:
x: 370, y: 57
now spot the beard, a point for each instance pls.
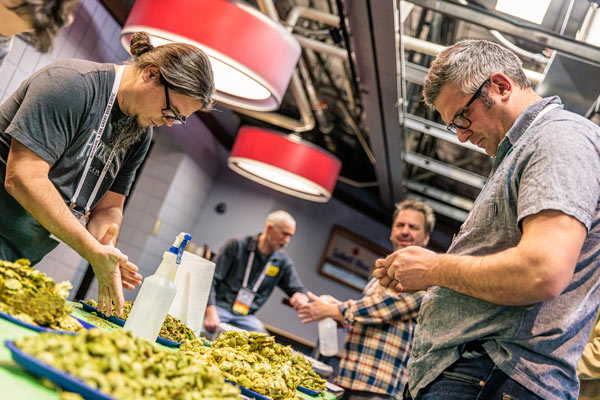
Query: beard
x: 127, y: 132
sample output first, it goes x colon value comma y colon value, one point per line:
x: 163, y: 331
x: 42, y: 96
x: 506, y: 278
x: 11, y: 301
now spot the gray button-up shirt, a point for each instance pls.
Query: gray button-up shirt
x: 550, y: 164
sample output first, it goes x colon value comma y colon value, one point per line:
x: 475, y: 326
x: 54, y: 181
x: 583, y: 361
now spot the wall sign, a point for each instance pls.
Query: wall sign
x: 350, y: 258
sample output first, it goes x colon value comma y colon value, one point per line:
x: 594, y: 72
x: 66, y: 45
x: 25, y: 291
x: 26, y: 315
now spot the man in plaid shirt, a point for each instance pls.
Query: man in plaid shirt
x: 381, y: 323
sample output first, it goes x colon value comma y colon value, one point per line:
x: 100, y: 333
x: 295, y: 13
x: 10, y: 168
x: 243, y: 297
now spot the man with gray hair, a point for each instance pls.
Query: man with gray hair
x: 382, y: 322
x: 247, y: 271
x: 509, y: 308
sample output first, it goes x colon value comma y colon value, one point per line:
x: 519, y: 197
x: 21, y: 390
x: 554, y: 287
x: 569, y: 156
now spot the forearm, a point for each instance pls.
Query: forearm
x: 510, y: 277
x: 40, y: 198
x: 101, y: 220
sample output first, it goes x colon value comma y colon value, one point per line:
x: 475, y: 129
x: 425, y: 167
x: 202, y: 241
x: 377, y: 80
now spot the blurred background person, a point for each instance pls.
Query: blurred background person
x: 381, y: 323
x: 247, y: 271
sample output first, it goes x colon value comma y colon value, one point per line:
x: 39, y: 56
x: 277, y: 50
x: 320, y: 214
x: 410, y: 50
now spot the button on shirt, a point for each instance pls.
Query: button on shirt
x: 552, y: 164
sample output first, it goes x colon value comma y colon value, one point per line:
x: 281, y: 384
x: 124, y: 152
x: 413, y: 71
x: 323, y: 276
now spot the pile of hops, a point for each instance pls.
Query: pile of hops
x: 172, y: 329
x: 127, y: 368
x: 31, y: 296
x: 257, y: 362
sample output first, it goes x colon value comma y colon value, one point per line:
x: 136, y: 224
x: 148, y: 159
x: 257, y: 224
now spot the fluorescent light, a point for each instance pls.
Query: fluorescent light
x: 530, y: 10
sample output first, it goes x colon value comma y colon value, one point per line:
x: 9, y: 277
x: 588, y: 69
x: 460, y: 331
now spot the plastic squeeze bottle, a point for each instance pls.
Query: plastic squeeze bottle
x: 328, y: 337
x: 156, y: 294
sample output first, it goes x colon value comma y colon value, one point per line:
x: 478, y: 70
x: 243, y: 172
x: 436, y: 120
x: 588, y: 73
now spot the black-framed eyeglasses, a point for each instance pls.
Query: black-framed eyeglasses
x: 168, y: 111
x: 459, y: 120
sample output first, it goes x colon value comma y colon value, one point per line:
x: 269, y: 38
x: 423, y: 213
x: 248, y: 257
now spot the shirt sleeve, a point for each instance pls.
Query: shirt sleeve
x: 561, y: 172
x: 51, y: 113
x: 290, y: 282
x: 381, y: 308
x: 223, y: 264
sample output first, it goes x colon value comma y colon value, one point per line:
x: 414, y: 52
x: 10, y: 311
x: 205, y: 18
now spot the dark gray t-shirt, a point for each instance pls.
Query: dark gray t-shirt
x: 56, y: 113
x: 553, y: 165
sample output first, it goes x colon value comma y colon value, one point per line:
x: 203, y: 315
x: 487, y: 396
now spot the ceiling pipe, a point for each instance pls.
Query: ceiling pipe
x: 307, y: 119
x: 516, y: 49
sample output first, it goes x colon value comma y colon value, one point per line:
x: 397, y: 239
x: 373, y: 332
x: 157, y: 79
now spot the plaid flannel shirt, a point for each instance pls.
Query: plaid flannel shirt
x: 378, y: 343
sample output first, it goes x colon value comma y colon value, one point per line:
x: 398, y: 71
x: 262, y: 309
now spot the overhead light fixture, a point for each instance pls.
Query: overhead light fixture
x: 531, y: 10
x: 252, y: 56
x: 285, y: 163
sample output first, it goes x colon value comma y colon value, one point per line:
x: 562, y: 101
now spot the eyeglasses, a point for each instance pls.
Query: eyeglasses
x: 459, y: 120
x: 168, y: 112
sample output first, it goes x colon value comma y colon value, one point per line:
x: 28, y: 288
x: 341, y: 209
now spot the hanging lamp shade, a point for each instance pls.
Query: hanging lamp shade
x: 285, y: 163
x: 252, y: 56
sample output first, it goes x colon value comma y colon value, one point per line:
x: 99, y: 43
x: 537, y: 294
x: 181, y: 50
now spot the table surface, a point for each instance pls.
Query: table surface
x: 16, y: 383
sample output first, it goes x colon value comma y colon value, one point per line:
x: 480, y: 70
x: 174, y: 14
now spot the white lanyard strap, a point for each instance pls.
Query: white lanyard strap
x: 543, y: 112
x: 100, y: 131
x: 262, y: 276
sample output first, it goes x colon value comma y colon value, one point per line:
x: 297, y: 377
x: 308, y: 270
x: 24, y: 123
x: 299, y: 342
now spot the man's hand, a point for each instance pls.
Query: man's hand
x: 298, y: 299
x: 319, y: 309
x: 406, y: 270
x: 211, y: 318
x: 114, y: 272
x: 129, y: 276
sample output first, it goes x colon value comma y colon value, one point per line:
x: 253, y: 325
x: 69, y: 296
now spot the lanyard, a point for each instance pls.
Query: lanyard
x: 100, y: 131
x: 247, y: 273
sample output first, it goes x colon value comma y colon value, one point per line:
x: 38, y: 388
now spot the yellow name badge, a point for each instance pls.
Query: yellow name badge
x: 272, y: 270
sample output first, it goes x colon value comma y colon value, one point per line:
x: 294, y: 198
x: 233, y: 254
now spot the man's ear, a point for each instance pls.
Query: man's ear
x: 502, y: 85
x: 151, y: 74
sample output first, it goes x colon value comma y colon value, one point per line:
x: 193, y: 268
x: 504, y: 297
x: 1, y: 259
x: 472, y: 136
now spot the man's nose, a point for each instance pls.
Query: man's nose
x: 463, y: 134
x: 168, y: 121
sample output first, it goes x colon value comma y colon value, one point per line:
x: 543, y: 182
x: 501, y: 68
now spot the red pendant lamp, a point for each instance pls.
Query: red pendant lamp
x: 252, y: 56
x: 285, y: 163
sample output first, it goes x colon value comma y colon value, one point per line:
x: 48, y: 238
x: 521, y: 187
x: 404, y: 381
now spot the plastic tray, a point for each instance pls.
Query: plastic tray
x: 121, y: 323
x: 62, y: 379
x: 249, y: 393
x: 37, y: 328
x: 309, y: 391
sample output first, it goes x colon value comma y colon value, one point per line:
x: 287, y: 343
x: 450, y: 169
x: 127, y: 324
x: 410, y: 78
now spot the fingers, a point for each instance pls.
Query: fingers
x: 396, y: 285
x: 312, y: 296
x: 305, y: 316
x: 130, y: 279
x: 131, y: 267
x: 379, y: 273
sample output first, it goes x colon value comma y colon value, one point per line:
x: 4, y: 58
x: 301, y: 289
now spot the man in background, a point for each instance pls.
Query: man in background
x: 247, y: 271
x: 381, y: 323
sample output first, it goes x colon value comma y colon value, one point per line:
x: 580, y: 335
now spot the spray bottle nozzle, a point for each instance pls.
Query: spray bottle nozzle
x: 179, y: 245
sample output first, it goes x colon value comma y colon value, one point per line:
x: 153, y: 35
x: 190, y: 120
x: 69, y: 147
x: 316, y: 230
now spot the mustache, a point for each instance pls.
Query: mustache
x: 127, y: 132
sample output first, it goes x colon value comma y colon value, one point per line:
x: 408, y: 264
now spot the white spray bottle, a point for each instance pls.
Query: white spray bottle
x: 156, y: 294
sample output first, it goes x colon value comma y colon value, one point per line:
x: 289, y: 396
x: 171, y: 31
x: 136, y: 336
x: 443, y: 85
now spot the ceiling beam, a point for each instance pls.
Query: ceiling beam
x: 373, y: 37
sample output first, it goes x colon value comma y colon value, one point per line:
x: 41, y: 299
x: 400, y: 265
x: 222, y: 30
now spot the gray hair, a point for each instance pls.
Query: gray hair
x: 467, y: 64
x: 185, y: 68
x: 47, y: 18
x: 421, y: 207
x: 280, y: 217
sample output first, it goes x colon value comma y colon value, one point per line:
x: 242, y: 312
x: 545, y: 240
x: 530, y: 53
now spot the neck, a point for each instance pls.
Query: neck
x: 528, y: 98
x: 262, y: 244
x: 124, y: 87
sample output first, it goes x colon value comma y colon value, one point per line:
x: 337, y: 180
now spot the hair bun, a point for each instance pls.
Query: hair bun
x: 140, y: 43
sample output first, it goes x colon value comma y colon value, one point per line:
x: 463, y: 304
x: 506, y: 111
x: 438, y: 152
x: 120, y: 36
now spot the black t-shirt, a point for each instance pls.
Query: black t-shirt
x: 56, y: 113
